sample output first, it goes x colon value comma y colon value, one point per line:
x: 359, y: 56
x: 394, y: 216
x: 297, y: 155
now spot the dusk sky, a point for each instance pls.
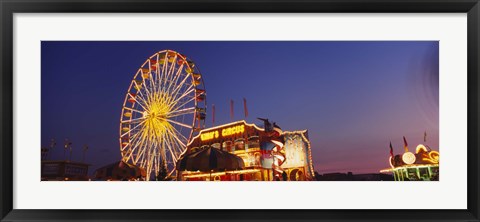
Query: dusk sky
x: 352, y: 97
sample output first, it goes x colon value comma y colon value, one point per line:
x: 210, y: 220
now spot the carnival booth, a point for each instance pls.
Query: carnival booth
x: 119, y: 171
x: 421, y: 165
x: 240, y: 151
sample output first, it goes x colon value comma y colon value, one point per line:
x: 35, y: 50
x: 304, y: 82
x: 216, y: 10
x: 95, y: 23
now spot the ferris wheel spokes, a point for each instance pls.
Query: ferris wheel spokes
x: 132, y: 129
x: 178, y: 112
x: 186, y: 93
x: 161, y: 112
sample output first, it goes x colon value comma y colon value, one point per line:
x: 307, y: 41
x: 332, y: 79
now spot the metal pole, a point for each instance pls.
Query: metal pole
x: 85, y: 148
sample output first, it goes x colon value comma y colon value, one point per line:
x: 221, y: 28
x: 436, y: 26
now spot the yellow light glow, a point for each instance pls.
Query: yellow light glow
x: 295, y: 151
x: 408, y: 167
x: 408, y: 158
x: 433, y: 157
x: 303, y: 134
x: 243, y: 171
x: 222, y: 126
x: 233, y: 130
x: 205, y: 175
x: 194, y: 175
x: 155, y: 116
x: 209, y: 135
x: 421, y: 147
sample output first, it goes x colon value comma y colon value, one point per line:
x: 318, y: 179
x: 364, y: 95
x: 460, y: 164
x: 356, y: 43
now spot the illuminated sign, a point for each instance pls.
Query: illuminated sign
x: 420, y: 148
x: 233, y: 130
x: 238, y: 129
x: 408, y: 158
x: 209, y: 135
x: 295, y: 151
x: 431, y: 157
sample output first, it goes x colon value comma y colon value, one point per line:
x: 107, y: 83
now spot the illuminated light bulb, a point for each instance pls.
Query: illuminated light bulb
x: 408, y: 158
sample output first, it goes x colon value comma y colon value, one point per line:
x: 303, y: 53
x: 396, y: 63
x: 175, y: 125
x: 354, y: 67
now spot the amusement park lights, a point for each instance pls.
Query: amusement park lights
x: 193, y: 175
x: 164, y: 111
x: 310, y: 161
x: 432, y: 156
x: 390, y: 162
x: 421, y: 148
x: 241, y: 122
x: 408, y: 167
x: 408, y: 158
x: 225, y: 132
x: 163, y: 107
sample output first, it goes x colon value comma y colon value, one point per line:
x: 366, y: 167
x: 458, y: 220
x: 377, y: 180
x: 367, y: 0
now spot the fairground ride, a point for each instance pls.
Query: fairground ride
x: 164, y: 107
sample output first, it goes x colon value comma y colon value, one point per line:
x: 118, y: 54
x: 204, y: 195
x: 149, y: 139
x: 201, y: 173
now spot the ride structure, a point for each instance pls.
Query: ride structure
x: 423, y: 165
x: 267, y: 153
x: 164, y: 107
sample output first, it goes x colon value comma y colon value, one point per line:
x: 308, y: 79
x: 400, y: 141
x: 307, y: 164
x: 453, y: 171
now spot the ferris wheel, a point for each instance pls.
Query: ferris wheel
x: 164, y: 107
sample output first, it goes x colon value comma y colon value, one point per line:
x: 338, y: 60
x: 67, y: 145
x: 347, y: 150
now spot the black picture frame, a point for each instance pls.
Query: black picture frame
x: 9, y: 7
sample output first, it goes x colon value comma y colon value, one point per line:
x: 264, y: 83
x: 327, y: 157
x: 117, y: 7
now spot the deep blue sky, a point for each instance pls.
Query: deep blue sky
x: 353, y: 97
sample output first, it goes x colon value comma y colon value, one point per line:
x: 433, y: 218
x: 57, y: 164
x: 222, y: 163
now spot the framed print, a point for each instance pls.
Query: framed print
x: 267, y: 110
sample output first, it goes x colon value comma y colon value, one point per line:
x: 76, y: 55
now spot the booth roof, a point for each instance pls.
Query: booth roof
x: 210, y: 159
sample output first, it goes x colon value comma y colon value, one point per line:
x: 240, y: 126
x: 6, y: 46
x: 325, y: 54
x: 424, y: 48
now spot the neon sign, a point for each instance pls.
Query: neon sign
x: 224, y: 132
x: 233, y: 130
x: 431, y: 157
x: 209, y: 135
x: 421, y: 148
